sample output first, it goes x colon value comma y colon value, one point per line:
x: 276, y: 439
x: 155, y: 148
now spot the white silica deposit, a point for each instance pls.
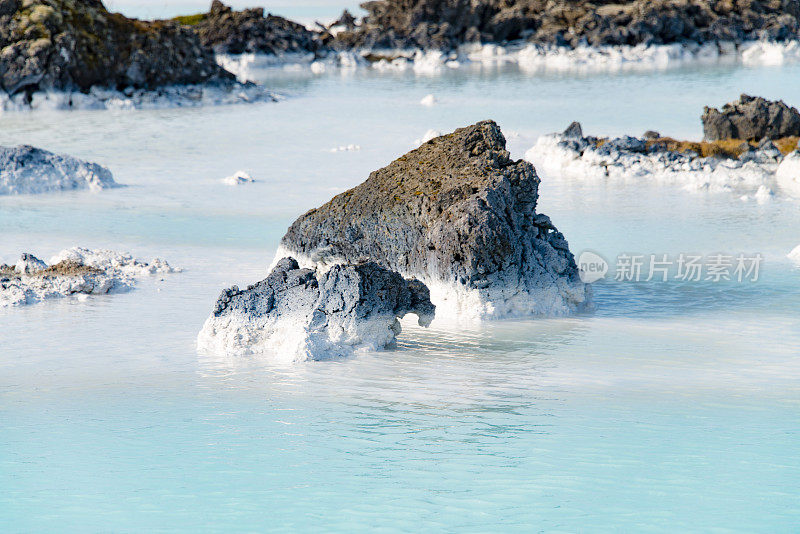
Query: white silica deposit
x: 788, y: 174
x: 429, y: 101
x: 29, y: 170
x: 175, y: 96
x: 346, y: 148
x: 427, y: 136
x: 529, y: 57
x: 298, y: 314
x: 543, y: 295
x: 74, y: 272
x: 238, y: 178
x: 794, y: 255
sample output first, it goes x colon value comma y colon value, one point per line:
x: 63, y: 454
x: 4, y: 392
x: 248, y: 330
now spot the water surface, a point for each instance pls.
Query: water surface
x: 673, y: 406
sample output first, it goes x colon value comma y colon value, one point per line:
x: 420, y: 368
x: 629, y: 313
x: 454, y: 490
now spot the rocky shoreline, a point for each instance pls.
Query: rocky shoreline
x: 538, y: 37
x: 427, y: 24
x: 66, y: 54
x: 75, y: 54
x: 760, y: 164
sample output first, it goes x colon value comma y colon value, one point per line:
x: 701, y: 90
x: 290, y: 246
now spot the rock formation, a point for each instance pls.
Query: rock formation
x: 445, y: 24
x: 747, y: 169
x: 77, y: 44
x: 237, y: 32
x: 75, y: 271
x: 458, y: 214
x: 26, y: 169
x: 304, y: 314
x: 752, y: 119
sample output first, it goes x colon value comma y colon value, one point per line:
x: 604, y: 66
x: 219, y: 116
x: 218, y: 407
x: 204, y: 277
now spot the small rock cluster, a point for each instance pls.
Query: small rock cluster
x: 305, y: 314
x: 751, y: 169
x: 75, y: 271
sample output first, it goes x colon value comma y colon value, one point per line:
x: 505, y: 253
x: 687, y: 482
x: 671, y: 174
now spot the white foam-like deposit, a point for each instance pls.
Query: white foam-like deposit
x: 427, y: 136
x: 428, y: 100
x: 788, y: 174
x: 794, y: 255
x: 238, y: 178
x: 112, y: 272
x: 530, y: 58
x: 555, y: 297
x: 346, y: 148
x: 175, y: 96
x: 298, y: 323
x: 555, y: 158
x: 288, y: 339
x: 28, y: 170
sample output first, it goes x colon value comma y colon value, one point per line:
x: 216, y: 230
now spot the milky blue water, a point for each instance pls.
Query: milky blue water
x: 673, y: 407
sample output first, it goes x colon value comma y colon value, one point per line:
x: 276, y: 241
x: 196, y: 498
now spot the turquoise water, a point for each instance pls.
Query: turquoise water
x: 672, y: 407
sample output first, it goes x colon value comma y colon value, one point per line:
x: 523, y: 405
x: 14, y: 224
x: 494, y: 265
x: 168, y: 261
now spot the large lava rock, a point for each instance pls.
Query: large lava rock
x: 78, y: 44
x: 459, y: 215
x: 304, y: 314
x: 751, y: 118
x: 249, y: 31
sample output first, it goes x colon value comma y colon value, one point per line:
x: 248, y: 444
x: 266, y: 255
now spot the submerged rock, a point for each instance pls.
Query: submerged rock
x: 75, y: 271
x: 238, y: 32
x: 305, y: 314
x: 751, y: 118
x: 75, y: 45
x: 458, y: 214
x: 26, y: 169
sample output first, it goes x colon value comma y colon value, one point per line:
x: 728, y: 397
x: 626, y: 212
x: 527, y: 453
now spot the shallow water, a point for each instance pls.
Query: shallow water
x: 673, y: 406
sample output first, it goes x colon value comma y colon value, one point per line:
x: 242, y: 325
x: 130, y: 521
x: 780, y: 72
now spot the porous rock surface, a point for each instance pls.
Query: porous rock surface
x: 75, y: 271
x: 237, y: 32
x: 304, y: 314
x: 445, y: 24
x: 27, y: 169
x: 751, y: 118
x: 458, y: 214
x: 77, y: 44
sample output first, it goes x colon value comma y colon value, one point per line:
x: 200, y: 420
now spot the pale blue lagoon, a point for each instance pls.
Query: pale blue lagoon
x: 673, y: 407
